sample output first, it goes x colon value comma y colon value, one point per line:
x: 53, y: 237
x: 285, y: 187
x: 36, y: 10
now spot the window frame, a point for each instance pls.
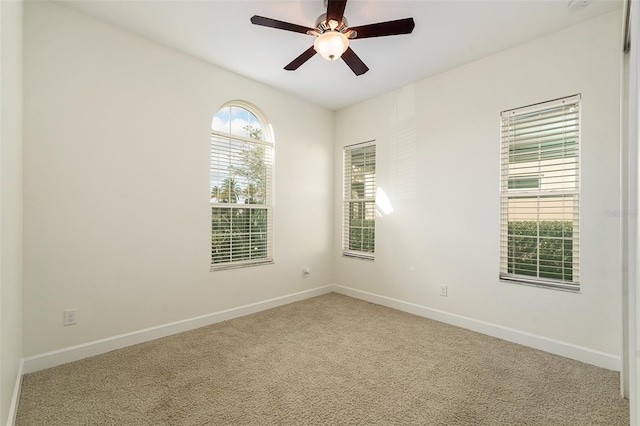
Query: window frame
x: 571, y: 192
x: 267, y: 142
x: 370, y: 202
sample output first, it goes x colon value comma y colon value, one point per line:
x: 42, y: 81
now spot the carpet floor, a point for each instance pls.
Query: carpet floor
x: 330, y: 360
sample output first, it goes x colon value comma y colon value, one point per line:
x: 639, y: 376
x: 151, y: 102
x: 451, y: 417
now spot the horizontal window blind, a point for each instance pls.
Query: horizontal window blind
x: 540, y: 194
x: 359, y: 200
x: 241, y: 210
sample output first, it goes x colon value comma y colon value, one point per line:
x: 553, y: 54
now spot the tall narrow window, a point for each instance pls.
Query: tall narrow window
x: 241, y: 181
x: 359, y: 200
x: 539, y: 203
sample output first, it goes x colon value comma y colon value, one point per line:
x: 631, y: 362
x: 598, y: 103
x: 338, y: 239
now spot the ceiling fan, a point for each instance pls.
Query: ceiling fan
x: 333, y: 33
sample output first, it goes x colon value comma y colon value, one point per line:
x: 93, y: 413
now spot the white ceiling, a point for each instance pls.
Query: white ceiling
x: 448, y: 33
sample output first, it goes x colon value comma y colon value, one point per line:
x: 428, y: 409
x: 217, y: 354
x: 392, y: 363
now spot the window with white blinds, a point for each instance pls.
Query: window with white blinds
x: 540, y: 190
x: 359, y: 227
x: 241, y: 178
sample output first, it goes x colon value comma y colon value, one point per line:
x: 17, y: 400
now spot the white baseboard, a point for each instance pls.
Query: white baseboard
x: 567, y: 350
x: 74, y: 353
x: 15, y: 399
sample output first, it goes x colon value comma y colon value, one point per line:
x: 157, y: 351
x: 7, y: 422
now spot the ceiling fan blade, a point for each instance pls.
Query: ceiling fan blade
x: 335, y: 10
x: 306, y: 55
x: 280, y: 25
x: 355, y: 63
x: 381, y: 29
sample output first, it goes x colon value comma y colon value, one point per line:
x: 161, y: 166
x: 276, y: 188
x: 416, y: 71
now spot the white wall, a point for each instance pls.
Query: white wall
x: 438, y: 160
x: 10, y: 200
x: 631, y: 377
x: 116, y: 191
x: 116, y: 210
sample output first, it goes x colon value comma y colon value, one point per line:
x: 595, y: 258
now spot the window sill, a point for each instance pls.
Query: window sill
x: 359, y: 255
x: 225, y: 266
x: 541, y: 283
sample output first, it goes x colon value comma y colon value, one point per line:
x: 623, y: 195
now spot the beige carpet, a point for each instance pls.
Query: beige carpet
x: 330, y: 360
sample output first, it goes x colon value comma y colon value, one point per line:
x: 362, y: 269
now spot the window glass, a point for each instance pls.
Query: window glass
x: 241, y: 175
x: 359, y: 200
x: 540, y: 194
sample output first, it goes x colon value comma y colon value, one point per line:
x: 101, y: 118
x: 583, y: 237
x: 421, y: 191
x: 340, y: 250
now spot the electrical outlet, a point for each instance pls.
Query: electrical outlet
x: 70, y: 317
x: 443, y: 290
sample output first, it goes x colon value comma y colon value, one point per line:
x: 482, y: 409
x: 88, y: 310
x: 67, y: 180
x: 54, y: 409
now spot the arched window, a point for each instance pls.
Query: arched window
x: 241, y: 187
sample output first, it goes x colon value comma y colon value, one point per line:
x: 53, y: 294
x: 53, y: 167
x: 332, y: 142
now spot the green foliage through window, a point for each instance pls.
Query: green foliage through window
x: 238, y: 234
x: 541, y: 249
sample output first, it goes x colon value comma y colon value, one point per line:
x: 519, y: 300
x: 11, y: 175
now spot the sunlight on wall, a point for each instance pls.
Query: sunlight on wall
x: 383, y: 204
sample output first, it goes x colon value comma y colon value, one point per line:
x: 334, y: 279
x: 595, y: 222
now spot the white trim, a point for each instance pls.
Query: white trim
x: 347, y: 196
x: 97, y: 347
x: 545, y: 196
x: 242, y: 264
x: 74, y: 353
x: 633, y: 266
x: 360, y: 144
x: 543, y: 105
x: 358, y: 254
x: 215, y: 141
x: 567, y: 350
x: 15, y: 400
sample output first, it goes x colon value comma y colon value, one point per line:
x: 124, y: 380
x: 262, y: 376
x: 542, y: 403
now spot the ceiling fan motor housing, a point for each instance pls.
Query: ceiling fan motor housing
x: 322, y: 25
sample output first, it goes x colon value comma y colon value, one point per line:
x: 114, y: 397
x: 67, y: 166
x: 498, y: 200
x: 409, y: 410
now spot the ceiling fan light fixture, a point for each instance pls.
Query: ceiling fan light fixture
x: 331, y: 45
